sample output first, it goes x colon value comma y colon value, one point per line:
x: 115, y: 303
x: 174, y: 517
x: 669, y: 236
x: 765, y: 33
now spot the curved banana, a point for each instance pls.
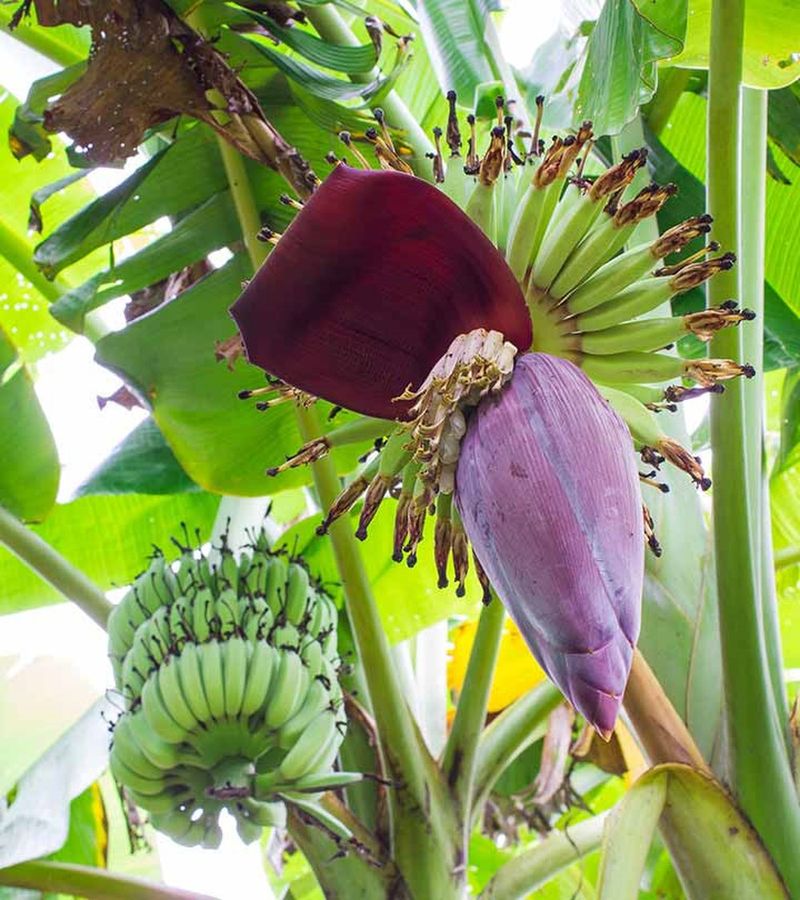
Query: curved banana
x: 316, y: 700
x: 234, y: 670
x: 211, y: 668
x: 161, y: 753
x: 173, y: 696
x: 289, y: 688
x: 191, y: 679
x: 260, y: 669
x: 158, y: 718
x: 297, y: 584
x: 312, y: 745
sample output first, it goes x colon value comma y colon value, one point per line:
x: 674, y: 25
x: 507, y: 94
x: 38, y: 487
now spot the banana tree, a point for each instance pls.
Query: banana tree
x: 477, y: 295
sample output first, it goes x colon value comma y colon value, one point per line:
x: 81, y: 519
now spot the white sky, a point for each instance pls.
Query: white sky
x: 67, y: 384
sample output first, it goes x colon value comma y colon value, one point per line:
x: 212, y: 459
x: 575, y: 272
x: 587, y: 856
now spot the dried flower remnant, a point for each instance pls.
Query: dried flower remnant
x: 147, y: 66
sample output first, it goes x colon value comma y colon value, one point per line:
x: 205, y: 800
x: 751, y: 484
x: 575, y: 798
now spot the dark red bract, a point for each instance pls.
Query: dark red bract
x: 369, y: 285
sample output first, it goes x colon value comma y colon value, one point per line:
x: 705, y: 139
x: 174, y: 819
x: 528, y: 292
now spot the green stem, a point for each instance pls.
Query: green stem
x: 48, y: 564
x: 460, y: 753
x: 760, y: 771
x: 425, y: 837
x: 244, y: 201
x: 16, y: 251
x: 515, y: 729
x: 332, y: 27
x: 671, y: 84
x: 87, y: 881
x: 751, y: 273
x: 535, y: 867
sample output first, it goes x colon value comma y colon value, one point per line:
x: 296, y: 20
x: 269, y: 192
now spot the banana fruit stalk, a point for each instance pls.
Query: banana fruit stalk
x: 230, y: 679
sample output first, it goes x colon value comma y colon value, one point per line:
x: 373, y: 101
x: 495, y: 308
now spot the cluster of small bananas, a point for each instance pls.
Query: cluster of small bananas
x: 229, y: 675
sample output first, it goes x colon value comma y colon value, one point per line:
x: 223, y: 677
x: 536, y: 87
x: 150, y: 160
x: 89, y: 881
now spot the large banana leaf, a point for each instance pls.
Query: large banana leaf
x: 771, y: 39
x: 29, y: 469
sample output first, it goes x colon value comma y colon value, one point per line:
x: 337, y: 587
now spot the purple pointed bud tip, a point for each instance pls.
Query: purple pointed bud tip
x: 548, y: 490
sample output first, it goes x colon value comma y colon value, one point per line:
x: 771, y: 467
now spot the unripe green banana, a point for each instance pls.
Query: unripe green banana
x: 155, y: 711
x: 571, y: 220
x: 248, y: 831
x: 257, y: 620
x: 645, y: 335
x: 181, y: 619
x: 261, y: 665
x: 528, y: 225
x: 277, y: 576
x: 480, y: 208
x: 641, y: 422
x: 610, y: 279
x: 133, y: 677
x: 170, y: 799
x: 234, y: 669
x: 313, y: 744
x: 174, y: 700
x: 175, y: 824
x: 203, y: 611
x: 316, y: 700
x: 210, y: 657
x: 288, y: 690
x: 297, y: 586
x: 128, y: 751
x: 161, y: 753
x: 633, y: 367
x: 191, y: 679
x: 286, y: 637
x: 124, y: 774
x: 327, y: 781
x: 635, y: 300
x: 227, y: 612
x: 229, y: 570
x: 597, y: 247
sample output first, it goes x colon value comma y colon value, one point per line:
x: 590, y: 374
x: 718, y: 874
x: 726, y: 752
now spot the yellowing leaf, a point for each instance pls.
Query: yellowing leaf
x: 517, y: 671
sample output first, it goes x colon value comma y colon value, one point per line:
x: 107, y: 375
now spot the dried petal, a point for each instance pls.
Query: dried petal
x: 548, y: 492
x: 369, y: 285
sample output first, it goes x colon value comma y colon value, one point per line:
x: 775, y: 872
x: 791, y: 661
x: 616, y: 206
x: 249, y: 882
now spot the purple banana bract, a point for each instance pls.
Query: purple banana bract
x: 548, y: 491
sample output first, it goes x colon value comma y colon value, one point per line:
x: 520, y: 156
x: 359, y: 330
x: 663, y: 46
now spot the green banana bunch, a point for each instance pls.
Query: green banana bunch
x: 228, y: 669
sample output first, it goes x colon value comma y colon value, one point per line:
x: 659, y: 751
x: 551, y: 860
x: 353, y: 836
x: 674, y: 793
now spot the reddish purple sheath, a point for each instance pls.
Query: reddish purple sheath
x: 548, y: 490
x: 369, y: 285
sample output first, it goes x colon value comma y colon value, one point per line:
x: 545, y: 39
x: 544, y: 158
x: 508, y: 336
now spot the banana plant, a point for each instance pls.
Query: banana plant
x: 456, y: 339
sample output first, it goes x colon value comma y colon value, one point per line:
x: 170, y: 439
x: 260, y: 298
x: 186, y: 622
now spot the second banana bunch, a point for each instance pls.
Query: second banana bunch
x: 230, y: 679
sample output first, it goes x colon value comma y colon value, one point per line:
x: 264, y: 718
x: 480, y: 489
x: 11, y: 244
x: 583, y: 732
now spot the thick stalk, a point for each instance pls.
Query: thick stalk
x: 423, y: 828
x: 49, y: 565
x: 760, y: 771
x: 425, y: 838
x: 330, y: 26
x: 751, y: 274
x: 661, y: 731
x: 516, y: 728
x: 530, y: 870
x: 87, y: 881
x: 460, y: 753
